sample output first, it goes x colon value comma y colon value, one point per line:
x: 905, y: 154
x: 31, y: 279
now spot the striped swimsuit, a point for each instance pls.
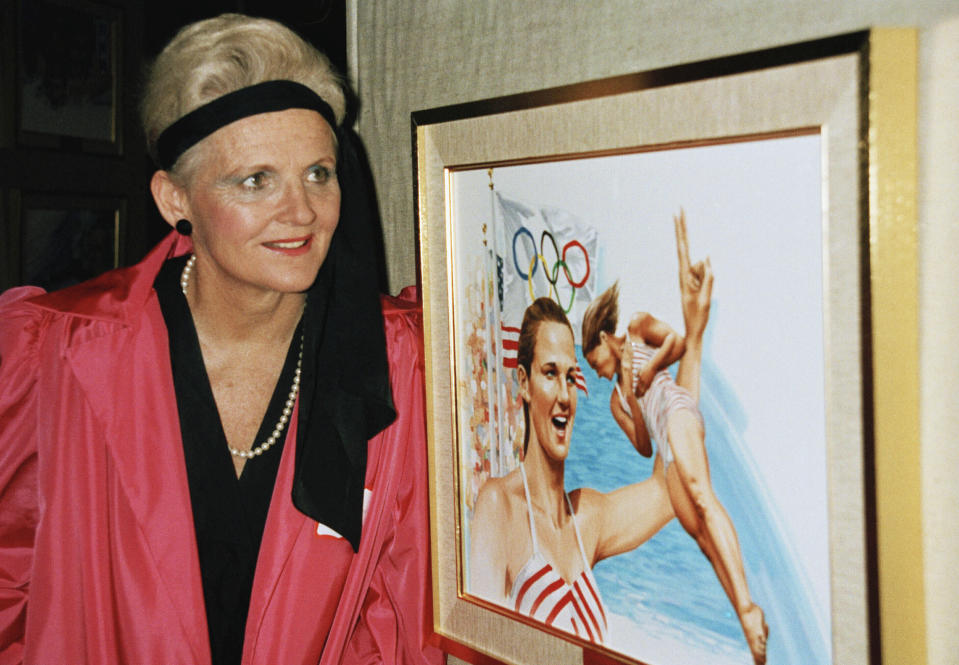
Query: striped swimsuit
x: 540, y: 592
x: 663, y: 398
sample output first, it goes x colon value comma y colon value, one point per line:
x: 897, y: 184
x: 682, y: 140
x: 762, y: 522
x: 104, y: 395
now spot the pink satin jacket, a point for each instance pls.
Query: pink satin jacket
x: 98, y: 560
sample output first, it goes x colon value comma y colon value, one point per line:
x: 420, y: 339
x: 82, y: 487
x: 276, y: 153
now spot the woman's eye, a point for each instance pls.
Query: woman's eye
x: 255, y: 181
x: 320, y: 174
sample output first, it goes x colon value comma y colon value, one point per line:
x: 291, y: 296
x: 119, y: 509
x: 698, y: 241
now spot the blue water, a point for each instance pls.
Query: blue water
x: 667, y: 585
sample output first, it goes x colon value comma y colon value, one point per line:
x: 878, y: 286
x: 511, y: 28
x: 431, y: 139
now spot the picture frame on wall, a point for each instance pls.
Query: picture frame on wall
x: 777, y: 162
x: 68, y: 75
x: 62, y: 240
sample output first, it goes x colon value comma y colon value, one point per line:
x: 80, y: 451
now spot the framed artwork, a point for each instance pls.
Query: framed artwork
x: 63, y: 240
x: 553, y: 492
x: 68, y: 87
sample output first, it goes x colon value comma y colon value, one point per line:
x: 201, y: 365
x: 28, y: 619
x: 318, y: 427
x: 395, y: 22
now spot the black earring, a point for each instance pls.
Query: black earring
x: 184, y: 227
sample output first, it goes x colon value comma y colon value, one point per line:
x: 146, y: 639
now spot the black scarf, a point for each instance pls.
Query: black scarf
x: 345, y: 369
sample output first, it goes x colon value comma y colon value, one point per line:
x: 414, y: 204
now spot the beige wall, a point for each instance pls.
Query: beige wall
x: 938, y: 329
x: 408, y: 55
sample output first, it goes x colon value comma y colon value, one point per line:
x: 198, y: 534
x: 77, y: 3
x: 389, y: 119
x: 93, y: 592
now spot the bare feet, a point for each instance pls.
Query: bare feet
x: 756, y: 630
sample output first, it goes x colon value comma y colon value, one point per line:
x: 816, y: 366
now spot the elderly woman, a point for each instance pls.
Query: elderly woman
x: 197, y: 463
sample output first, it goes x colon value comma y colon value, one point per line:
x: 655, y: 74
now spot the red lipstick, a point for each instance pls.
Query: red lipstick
x: 290, y: 246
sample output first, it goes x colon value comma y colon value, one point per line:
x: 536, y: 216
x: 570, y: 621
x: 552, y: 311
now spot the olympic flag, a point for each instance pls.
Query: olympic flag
x: 542, y: 251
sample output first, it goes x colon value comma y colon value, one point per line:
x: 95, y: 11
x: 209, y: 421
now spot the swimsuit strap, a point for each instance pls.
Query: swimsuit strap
x: 532, y: 524
x: 529, y: 509
x: 622, y: 400
x: 579, y: 540
x: 634, y: 350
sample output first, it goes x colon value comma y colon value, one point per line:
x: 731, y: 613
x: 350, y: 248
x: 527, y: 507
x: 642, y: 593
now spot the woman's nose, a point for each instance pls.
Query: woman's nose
x: 297, y: 208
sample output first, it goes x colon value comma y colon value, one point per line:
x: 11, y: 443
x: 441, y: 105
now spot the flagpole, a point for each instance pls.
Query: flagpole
x: 493, y: 351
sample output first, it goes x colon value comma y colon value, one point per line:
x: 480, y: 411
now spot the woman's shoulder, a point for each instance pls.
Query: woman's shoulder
x: 405, y: 307
x: 112, y: 294
x: 402, y: 318
x: 117, y: 294
x: 103, y: 305
x: 14, y: 299
x: 500, y: 495
x: 21, y: 331
x: 639, y: 322
x: 587, y: 501
x: 19, y: 316
x: 405, y: 303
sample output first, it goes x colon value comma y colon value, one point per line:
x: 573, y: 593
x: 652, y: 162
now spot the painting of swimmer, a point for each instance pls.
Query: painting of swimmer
x: 639, y: 359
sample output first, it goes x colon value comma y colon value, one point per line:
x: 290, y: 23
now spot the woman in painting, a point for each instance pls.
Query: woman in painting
x: 647, y: 403
x: 532, y: 545
x: 197, y: 461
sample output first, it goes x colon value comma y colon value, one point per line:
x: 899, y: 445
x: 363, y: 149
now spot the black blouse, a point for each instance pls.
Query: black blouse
x: 229, y: 513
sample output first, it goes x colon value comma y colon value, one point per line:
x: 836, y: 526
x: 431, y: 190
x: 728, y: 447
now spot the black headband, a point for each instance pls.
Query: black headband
x: 253, y: 100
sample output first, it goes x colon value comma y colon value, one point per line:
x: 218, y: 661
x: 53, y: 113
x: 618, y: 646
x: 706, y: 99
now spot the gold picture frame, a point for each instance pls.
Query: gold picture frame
x: 855, y: 92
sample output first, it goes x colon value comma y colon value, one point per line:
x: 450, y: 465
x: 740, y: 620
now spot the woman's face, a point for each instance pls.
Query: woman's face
x: 264, y: 202
x: 550, y: 389
x: 603, y: 359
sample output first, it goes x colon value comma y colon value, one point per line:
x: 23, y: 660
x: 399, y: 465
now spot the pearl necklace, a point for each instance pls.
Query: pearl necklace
x: 185, y: 275
x: 290, y: 398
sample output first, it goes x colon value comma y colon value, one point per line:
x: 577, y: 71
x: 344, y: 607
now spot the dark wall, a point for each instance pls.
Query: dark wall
x: 73, y: 169
x: 321, y: 22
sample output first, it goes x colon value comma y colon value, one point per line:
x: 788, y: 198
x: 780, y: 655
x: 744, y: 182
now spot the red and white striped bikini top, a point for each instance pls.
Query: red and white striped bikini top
x: 540, y: 592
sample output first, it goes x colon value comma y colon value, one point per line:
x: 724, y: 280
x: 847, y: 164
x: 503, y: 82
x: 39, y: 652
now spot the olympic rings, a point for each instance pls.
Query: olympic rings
x: 573, y: 287
x: 529, y: 282
x: 551, y: 274
x: 582, y: 282
x: 519, y: 271
x: 543, y: 237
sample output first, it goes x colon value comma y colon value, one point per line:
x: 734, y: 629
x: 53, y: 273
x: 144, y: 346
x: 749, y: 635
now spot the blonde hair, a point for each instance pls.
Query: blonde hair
x: 602, y: 315
x: 216, y: 56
